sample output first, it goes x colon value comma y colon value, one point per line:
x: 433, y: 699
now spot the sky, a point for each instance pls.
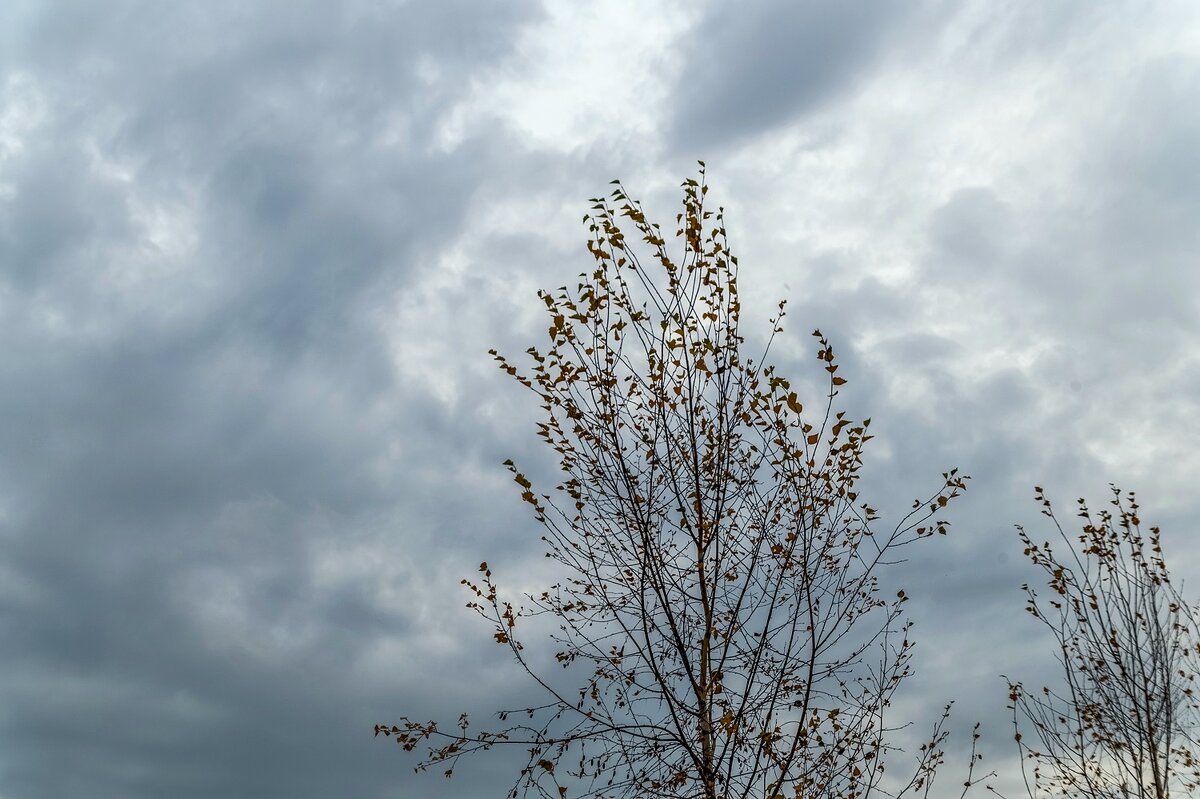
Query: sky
x: 253, y: 256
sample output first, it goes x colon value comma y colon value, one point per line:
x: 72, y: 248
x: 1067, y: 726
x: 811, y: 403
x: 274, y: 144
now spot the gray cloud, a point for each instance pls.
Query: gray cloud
x: 752, y: 67
x: 251, y: 261
x: 204, y: 220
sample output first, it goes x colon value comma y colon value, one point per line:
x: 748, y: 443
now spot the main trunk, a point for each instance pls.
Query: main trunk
x: 708, y: 773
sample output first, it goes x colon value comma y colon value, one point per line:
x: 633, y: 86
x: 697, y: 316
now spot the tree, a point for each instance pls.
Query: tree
x: 1124, y: 723
x: 721, y: 621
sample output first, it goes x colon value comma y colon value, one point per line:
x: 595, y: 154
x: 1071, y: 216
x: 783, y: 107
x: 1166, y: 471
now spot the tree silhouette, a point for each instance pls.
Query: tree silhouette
x: 1123, y: 725
x: 720, y: 622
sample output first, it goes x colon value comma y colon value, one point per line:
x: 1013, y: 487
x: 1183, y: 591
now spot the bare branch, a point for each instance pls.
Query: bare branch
x: 1123, y: 724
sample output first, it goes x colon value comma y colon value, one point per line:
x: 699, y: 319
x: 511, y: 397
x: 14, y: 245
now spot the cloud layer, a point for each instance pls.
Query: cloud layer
x: 251, y: 261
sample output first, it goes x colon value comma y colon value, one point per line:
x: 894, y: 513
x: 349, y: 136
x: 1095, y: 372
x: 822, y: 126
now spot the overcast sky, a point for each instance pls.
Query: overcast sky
x: 253, y: 255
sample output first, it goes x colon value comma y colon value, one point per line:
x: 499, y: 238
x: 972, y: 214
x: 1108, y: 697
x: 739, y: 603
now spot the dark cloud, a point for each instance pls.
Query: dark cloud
x: 751, y: 67
x: 204, y: 224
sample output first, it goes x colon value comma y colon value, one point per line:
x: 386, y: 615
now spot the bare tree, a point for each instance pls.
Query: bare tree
x: 721, y: 621
x: 1123, y: 724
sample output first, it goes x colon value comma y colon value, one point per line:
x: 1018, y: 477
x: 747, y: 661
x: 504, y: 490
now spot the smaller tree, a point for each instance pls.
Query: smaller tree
x: 1123, y: 725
